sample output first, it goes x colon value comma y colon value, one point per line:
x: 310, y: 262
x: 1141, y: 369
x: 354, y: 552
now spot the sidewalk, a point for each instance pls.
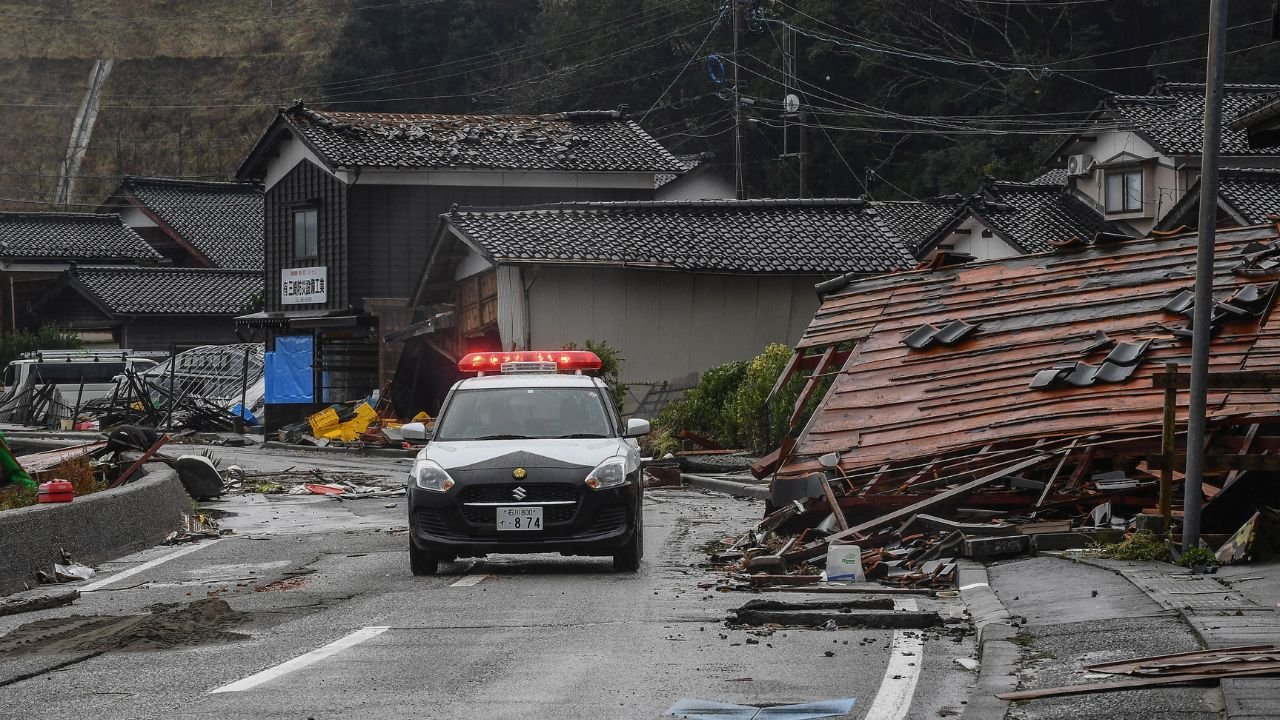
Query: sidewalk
x: 1068, y: 614
x: 1235, y: 606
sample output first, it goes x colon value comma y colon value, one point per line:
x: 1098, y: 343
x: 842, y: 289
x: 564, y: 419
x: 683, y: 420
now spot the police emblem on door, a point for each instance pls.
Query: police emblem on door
x: 519, y: 493
x: 518, y: 473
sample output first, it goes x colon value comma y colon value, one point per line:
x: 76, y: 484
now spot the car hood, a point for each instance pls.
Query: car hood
x: 587, y: 453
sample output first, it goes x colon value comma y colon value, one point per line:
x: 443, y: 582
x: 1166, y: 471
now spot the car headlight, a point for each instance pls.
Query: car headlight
x: 609, y: 474
x: 428, y: 475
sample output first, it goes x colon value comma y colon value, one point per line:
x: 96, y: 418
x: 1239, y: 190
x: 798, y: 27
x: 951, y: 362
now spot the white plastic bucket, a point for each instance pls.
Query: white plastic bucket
x: 844, y: 563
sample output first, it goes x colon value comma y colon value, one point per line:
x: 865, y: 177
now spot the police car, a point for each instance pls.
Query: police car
x: 528, y: 456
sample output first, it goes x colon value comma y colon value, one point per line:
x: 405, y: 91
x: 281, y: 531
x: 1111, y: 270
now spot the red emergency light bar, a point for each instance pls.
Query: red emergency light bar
x: 565, y: 360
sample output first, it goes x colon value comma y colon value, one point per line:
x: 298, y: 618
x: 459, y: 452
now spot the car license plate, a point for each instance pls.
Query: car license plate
x: 519, y: 518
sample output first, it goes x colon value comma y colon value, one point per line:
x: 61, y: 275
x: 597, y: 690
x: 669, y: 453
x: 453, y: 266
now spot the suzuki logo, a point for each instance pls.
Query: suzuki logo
x: 519, y: 493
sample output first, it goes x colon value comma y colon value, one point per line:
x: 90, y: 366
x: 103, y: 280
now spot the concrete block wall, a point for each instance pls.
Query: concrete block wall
x: 93, y: 528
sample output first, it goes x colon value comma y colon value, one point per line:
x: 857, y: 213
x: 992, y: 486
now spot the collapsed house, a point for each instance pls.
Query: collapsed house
x: 1021, y: 394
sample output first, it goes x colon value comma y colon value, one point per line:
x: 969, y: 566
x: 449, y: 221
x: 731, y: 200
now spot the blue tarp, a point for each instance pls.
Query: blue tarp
x: 289, y: 377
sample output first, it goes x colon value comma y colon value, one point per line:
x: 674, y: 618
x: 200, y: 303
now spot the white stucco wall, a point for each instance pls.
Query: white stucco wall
x: 667, y: 324
x: 974, y: 243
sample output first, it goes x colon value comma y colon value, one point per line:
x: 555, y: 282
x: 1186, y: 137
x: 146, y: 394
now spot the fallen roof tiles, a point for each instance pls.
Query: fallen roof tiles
x: 890, y: 402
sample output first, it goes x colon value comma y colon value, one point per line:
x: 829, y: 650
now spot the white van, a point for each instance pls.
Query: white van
x: 78, y: 375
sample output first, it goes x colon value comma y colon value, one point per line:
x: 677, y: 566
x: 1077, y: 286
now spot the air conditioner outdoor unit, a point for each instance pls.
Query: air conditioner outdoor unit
x: 1078, y: 165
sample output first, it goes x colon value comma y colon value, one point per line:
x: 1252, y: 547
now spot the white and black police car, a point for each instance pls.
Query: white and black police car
x: 529, y: 456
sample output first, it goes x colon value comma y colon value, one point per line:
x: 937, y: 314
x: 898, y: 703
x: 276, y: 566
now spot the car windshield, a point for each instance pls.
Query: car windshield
x: 526, y: 412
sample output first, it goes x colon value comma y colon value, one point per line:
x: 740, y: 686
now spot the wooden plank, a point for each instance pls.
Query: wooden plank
x: 124, y: 476
x: 785, y: 375
x: 809, y: 386
x: 816, y: 549
x: 1223, y: 463
x: 1085, y: 689
x: 1239, y: 380
x: 1077, y: 475
x: 1120, y: 666
x: 835, y: 507
x: 1049, y: 485
x: 1249, y: 437
x: 1168, y: 443
x: 38, y: 600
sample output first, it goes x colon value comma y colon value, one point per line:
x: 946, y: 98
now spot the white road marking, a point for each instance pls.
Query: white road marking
x: 302, y: 661
x: 469, y: 580
x: 112, y: 579
x: 971, y: 586
x: 905, y: 661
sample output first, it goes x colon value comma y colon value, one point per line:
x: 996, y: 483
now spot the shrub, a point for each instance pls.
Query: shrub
x: 610, y: 368
x: 701, y: 410
x: 746, y: 411
x: 48, y: 337
x: 1198, y: 556
x: 1142, y: 545
x: 729, y: 405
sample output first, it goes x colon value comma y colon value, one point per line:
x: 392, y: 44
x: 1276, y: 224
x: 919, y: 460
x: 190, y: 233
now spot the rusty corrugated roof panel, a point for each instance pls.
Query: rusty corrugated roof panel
x: 894, y: 403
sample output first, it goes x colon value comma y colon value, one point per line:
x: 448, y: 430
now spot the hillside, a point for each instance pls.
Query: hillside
x: 898, y: 99
x: 192, y: 84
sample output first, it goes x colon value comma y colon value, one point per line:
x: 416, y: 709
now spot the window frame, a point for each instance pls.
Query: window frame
x: 300, y: 250
x: 1121, y: 176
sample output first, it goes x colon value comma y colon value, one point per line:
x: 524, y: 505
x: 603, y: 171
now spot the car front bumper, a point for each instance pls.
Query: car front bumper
x: 460, y: 522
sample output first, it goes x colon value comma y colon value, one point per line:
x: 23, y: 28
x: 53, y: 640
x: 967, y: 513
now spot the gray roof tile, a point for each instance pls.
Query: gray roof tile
x: 169, y: 291
x: 222, y: 220
x: 1172, y: 116
x: 1254, y: 193
x: 825, y: 236
x: 70, y: 236
x: 1034, y: 216
x: 915, y: 221
x: 582, y: 141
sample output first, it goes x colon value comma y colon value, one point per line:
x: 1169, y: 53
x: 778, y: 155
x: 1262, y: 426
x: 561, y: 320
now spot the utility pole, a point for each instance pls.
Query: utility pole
x: 738, y: 22
x: 1201, y: 319
x: 792, y: 148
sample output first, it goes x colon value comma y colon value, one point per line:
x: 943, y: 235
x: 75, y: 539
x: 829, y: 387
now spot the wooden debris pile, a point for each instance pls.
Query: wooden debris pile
x: 1195, y: 667
x: 912, y: 519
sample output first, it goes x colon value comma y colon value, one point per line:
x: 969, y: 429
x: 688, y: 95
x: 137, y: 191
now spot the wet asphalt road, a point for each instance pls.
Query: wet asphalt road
x: 504, y: 637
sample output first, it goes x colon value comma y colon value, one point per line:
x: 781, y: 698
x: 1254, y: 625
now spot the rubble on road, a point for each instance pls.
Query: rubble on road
x: 39, y: 599
x: 357, y: 424
x: 167, y: 626
x: 1067, y: 493
x: 1198, y: 666
x: 211, y: 388
x: 339, y: 485
x: 193, y: 528
x: 1035, y: 403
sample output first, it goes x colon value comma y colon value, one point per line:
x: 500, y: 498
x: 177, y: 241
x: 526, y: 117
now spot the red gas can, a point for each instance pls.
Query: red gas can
x: 56, y: 491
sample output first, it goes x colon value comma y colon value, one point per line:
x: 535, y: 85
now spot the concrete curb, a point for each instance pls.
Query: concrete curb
x: 93, y: 528
x: 728, y: 487
x: 999, y: 657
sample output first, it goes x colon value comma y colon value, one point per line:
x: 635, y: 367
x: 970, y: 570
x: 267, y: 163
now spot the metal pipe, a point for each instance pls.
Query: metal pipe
x: 173, y: 367
x: 1201, y: 319
x: 244, y: 392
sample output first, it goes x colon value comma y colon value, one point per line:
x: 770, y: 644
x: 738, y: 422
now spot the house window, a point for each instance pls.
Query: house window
x: 1124, y: 191
x: 306, y: 233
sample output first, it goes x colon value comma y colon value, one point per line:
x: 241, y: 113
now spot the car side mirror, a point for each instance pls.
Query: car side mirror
x: 637, y: 427
x: 415, y: 431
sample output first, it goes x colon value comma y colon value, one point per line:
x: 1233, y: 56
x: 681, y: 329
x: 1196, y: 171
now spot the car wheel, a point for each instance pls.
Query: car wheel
x: 422, y: 562
x: 627, y: 559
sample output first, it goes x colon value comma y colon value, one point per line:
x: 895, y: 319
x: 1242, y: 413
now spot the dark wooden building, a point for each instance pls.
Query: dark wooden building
x: 352, y: 202
x: 148, y: 308
x: 37, y: 248
x: 194, y: 223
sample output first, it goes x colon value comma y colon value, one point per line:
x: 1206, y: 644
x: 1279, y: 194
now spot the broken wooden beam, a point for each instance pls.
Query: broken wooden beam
x: 816, y: 549
x: 37, y: 600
